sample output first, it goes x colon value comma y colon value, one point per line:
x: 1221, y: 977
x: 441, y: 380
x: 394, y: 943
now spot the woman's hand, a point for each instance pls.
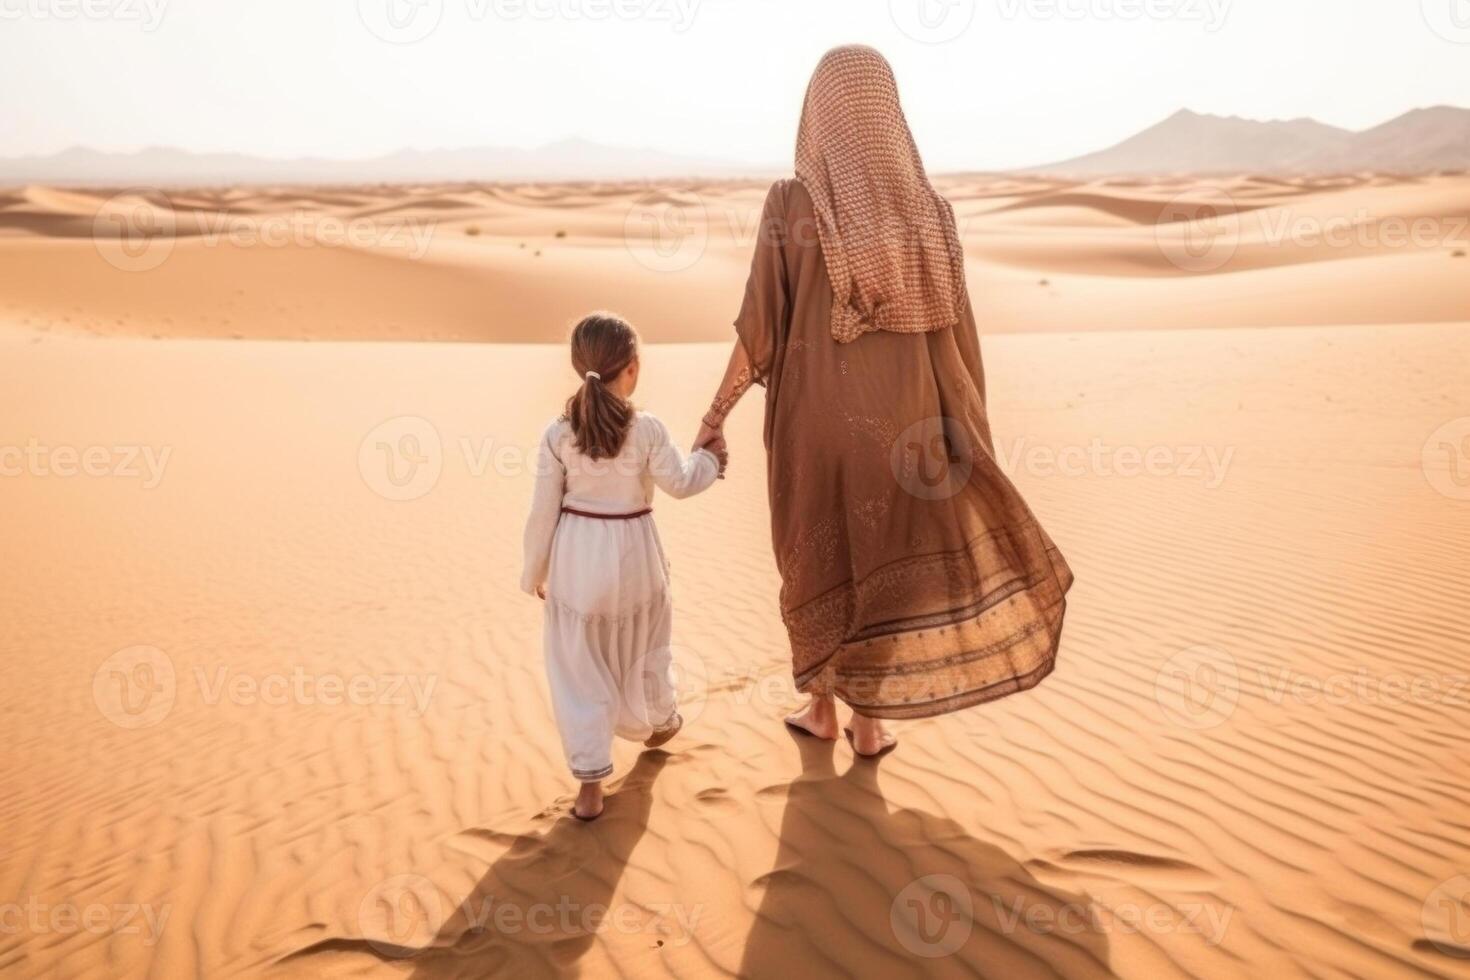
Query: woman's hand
x: 708, y: 436
x: 713, y: 440
x: 739, y: 375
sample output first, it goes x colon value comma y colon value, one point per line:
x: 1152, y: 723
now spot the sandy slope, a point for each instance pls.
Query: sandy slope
x: 262, y: 717
x: 517, y: 263
x: 1178, y: 766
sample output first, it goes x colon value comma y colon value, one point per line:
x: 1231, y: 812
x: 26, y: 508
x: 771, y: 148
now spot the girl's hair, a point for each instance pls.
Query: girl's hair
x: 602, y: 344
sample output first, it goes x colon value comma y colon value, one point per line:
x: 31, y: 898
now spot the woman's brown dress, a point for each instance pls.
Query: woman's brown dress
x: 915, y: 580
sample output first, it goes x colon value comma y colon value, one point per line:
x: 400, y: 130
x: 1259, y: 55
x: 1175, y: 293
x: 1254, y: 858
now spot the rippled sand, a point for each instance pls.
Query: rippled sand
x: 273, y: 704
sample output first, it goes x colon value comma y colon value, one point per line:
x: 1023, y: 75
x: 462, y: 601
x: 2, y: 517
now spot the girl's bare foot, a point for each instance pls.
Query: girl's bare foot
x: 589, y: 802
x: 869, y: 738
x: 819, y: 718
x: 662, y: 735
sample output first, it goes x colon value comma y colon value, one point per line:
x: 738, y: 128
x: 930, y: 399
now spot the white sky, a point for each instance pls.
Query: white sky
x: 1029, y: 81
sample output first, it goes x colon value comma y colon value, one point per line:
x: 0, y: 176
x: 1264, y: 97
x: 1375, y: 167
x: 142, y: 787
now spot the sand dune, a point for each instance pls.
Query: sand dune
x: 513, y: 263
x: 1271, y: 831
x: 275, y: 707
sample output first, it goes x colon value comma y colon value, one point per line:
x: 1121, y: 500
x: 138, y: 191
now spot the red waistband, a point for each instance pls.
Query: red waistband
x: 607, y: 517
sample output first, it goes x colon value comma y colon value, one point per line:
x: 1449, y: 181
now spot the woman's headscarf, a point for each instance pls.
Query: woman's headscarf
x: 888, y: 238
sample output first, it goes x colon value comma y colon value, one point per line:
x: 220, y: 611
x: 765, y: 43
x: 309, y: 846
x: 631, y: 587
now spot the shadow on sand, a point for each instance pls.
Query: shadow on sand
x: 538, y: 908
x: 862, y: 890
x: 857, y: 890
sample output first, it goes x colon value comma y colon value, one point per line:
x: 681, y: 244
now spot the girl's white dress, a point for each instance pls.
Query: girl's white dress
x: 608, y: 610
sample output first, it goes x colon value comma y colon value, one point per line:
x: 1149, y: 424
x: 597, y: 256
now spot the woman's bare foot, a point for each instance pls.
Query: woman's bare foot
x: 589, y: 802
x: 819, y: 718
x: 869, y: 738
x: 662, y: 735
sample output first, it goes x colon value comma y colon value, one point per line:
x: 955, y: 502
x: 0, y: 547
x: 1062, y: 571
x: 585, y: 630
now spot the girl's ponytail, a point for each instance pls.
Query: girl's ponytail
x: 603, y: 346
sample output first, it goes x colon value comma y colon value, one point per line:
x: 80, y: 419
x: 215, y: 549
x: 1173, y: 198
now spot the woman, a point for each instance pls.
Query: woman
x: 915, y: 581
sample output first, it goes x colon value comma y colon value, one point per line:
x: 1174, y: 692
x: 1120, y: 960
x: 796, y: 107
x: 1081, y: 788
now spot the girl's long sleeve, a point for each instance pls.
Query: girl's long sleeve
x: 674, y: 473
x: 546, y: 501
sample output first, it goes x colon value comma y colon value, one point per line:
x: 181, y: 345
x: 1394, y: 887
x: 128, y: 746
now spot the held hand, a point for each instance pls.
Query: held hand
x: 713, y: 440
x: 721, y: 453
x: 708, y: 435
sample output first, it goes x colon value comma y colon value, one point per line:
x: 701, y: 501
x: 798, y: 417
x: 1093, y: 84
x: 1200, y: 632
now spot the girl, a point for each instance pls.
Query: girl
x: 593, y: 554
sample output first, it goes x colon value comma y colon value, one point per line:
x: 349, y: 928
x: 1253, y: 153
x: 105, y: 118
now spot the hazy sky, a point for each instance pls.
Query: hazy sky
x: 987, y: 83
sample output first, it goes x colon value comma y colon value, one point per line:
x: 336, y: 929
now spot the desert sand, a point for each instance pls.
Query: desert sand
x: 274, y: 706
x: 516, y: 263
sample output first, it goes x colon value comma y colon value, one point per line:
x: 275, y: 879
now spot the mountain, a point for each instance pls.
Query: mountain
x: 1420, y: 141
x: 564, y: 161
x: 1434, y: 139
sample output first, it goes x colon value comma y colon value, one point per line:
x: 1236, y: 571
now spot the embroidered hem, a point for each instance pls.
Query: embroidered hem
x: 935, y: 662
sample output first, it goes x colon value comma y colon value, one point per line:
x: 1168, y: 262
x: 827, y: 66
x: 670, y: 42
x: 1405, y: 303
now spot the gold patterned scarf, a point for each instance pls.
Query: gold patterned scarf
x: 888, y: 238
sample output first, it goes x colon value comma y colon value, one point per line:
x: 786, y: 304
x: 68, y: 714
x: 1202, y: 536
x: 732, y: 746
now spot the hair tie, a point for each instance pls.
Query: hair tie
x: 593, y: 376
